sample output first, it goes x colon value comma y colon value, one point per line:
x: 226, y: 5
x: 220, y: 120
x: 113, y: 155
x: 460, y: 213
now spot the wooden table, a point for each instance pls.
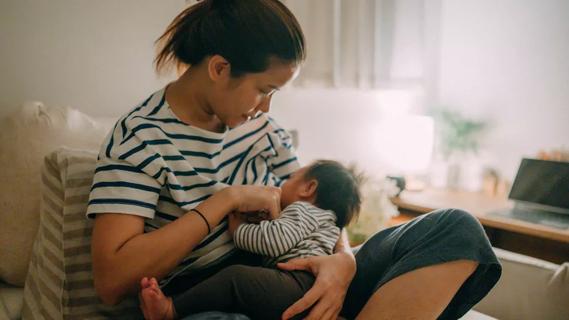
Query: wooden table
x: 535, y: 240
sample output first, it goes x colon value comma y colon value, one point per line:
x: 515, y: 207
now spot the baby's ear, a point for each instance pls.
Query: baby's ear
x: 309, y: 188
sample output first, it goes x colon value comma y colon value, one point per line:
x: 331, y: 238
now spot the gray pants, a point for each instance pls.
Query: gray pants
x: 261, y: 293
x: 441, y: 236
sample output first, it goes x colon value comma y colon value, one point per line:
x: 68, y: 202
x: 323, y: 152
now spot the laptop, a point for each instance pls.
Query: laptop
x: 540, y: 193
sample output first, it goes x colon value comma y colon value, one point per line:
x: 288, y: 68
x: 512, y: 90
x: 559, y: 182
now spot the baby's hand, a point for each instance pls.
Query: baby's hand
x: 234, y: 221
x: 256, y: 217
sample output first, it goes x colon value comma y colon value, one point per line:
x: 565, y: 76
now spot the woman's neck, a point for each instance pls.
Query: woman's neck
x: 187, y: 99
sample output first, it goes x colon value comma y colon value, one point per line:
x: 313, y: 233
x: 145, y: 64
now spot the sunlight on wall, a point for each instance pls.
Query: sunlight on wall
x: 380, y: 130
x: 409, y: 141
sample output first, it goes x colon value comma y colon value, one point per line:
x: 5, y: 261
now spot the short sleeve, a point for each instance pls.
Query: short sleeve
x: 124, y: 181
x: 285, y: 161
x: 120, y: 187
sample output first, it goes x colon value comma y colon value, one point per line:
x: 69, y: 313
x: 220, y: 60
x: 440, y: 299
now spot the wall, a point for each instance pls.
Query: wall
x: 92, y: 55
x: 506, y: 61
x: 96, y: 56
x: 373, y: 129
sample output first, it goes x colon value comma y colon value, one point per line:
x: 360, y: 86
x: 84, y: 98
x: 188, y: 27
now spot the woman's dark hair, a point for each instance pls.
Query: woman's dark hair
x: 338, y: 189
x: 247, y: 33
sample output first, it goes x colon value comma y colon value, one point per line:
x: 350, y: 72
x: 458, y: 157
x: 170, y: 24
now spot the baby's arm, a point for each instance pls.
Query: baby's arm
x: 276, y: 237
x: 234, y: 221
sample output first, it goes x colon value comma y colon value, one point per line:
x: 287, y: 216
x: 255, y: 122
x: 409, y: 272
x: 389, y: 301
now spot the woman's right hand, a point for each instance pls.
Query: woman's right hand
x: 250, y: 198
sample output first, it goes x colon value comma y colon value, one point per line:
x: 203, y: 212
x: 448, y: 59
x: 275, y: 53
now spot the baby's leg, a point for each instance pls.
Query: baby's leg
x: 260, y: 293
x: 154, y: 304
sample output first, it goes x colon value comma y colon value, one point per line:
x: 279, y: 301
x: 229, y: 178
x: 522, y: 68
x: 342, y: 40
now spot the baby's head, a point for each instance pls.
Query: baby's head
x: 328, y: 185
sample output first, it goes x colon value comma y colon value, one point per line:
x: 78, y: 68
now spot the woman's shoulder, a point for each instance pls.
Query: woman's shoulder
x: 146, y: 122
x: 153, y: 110
x: 153, y: 117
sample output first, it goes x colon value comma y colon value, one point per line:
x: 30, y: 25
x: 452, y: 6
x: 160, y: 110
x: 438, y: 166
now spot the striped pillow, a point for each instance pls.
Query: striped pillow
x: 59, y: 284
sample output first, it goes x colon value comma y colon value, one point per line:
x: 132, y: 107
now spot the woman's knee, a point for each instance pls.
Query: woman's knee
x: 461, y: 227
x: 455, y: 216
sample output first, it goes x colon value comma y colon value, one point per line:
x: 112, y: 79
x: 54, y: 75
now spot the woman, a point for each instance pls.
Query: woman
x: 174, y: 167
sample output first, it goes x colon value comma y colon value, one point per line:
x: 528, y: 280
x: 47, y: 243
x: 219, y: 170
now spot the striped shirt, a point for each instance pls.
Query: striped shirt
x: 155, y: 166
x: 302, y: 230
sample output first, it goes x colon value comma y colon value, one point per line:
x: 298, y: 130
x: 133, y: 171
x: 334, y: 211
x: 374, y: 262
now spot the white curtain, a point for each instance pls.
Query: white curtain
x: 362, y: 43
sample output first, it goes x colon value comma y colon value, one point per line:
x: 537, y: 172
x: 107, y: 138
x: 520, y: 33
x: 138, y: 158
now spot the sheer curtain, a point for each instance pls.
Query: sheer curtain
x: 362, y: 43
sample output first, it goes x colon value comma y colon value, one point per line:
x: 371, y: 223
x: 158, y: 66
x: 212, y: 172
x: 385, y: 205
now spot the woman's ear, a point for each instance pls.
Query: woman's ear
x: 218, y: 68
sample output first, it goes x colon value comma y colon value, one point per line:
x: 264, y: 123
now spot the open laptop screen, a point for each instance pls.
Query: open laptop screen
x: 542, y: 182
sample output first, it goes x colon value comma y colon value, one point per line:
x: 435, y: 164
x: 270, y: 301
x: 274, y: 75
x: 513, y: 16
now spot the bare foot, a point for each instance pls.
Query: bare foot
x: 154, y: 304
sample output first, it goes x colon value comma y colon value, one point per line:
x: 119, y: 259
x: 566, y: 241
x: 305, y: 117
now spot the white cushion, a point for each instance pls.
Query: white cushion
x: 60, y: 278
x: 475, y: 315
x: 11, y: 299
x: 26, y: 136
x: 529, y: 288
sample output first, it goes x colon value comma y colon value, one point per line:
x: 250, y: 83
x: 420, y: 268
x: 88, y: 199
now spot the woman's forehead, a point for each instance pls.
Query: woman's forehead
x: 278, y: 74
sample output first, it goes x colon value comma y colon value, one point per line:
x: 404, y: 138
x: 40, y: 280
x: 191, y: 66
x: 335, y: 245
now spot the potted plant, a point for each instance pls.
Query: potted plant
x: 458, y: 139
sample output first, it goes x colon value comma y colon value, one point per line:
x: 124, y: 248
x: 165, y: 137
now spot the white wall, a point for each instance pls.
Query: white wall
x: 92, y: 55
x: 373, y: 129
x: 507, y: 61
x: 97, y: 56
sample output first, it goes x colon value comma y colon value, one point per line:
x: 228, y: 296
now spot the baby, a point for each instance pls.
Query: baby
x: 318, y: 201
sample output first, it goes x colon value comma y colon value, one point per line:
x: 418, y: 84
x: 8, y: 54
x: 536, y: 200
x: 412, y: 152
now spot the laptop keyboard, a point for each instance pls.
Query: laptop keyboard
x: 555, y: 220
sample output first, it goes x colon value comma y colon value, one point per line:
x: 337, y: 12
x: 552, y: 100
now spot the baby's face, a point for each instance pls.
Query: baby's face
x: 291, y: 189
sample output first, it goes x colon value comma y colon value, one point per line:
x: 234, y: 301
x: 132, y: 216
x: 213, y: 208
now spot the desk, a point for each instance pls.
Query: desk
x: 515, y: 235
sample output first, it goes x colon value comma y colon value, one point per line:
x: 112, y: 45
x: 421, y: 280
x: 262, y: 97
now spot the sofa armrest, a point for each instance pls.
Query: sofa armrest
x: 529, y: 288
x: 59, y: 284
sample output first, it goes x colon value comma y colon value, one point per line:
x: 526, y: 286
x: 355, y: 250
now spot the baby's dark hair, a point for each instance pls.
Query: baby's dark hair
x: 247, y: 33
x: 338, y: 189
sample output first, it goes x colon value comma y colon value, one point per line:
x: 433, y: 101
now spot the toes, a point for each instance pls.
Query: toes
x: 151, y: 304
x: 144, y: 282
x: 157, y: 290
x: 148, y: 296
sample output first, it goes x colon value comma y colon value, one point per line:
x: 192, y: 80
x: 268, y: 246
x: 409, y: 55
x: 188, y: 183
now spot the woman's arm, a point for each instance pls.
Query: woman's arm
x: 123, y: 254
x: 333, y: 273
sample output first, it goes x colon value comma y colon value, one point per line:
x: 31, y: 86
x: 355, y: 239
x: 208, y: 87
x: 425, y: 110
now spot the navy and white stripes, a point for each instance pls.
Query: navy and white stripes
x: 155, y: 166
x: 302, y: 230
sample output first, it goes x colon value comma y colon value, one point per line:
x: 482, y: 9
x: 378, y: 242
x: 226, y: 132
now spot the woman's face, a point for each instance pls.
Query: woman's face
x: 241, y: 98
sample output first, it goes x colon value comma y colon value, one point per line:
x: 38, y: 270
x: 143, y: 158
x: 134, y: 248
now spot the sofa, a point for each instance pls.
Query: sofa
x: 47, y: 160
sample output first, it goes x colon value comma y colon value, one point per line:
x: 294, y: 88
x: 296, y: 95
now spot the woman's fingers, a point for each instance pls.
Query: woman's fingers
x: 327, y: 307
x: 329, y: 289
x: 295, y: 264
x: 327, y: 301
x: 331, y: 314
x: 332, y: 311
x: 309, y: 298
x: 259, y: 198
x: 275, y: 209
x: 319, y: 309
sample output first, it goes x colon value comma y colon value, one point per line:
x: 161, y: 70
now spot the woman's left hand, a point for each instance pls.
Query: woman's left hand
x: 333, y: 276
